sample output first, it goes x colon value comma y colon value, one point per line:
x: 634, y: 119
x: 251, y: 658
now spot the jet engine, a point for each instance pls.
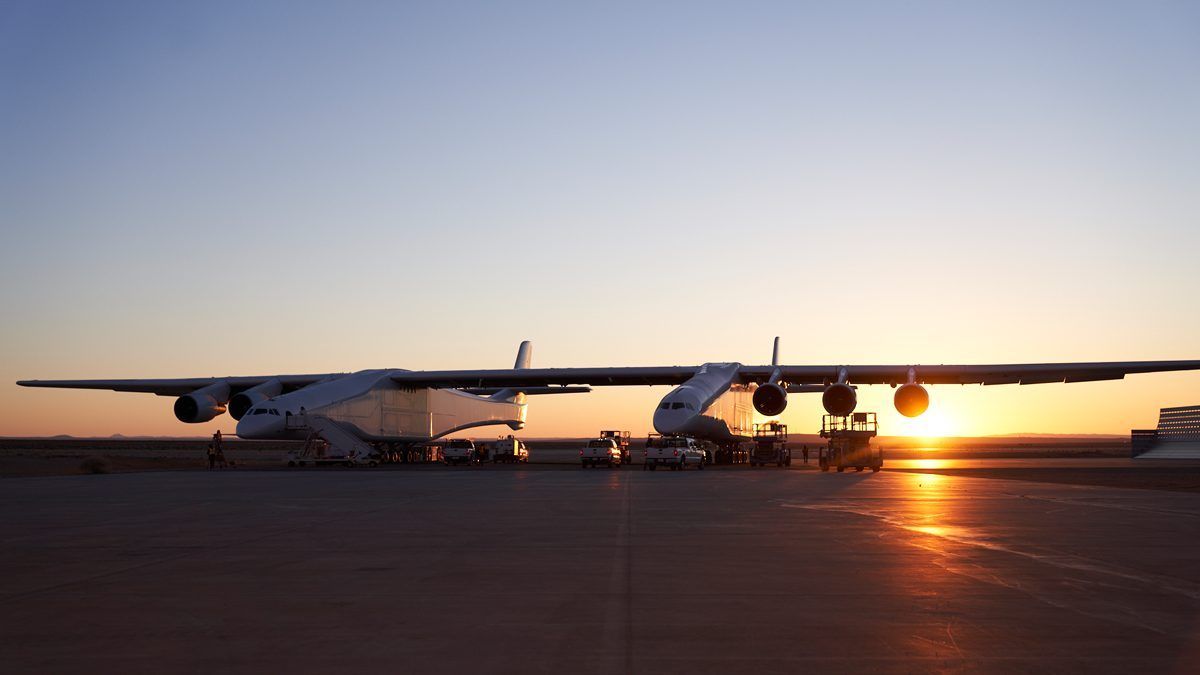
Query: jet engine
x: 203, y: 404
x: 912, y: 400
x: 243, y: 401
x: 839, y: 399
x: 770, y: 399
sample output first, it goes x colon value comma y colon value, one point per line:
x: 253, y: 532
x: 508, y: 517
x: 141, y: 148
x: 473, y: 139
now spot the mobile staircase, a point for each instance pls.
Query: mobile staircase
x: 329, y: 443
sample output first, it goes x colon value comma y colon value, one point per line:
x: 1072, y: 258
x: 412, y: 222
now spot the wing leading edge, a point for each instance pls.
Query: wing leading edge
x: 1017, y: 373
x: 1021, y: 373
x: 180, y: 386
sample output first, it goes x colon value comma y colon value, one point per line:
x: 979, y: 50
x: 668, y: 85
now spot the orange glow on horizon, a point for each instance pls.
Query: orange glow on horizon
x: 934, y: 423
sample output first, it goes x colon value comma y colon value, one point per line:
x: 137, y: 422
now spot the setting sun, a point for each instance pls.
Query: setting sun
x: 933, y: 424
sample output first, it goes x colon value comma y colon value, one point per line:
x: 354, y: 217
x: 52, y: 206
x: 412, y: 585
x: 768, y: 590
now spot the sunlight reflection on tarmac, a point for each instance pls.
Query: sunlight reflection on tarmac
x: 764, y: 570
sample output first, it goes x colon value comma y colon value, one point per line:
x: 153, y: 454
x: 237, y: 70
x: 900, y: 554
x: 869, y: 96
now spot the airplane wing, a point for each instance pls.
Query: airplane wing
x: 1012, y: 373
x: 550, y: 380
x: 515, y: 378
x: 180, y: 386
x: 1020, y: 373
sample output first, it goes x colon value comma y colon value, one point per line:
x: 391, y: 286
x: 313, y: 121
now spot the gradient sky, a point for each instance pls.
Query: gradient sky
x: 214, y: 188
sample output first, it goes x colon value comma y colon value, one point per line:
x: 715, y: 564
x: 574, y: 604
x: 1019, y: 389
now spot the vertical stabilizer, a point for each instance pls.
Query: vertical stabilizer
x: 525, y: 356
x: 774, y: 352
x: 524, y: 360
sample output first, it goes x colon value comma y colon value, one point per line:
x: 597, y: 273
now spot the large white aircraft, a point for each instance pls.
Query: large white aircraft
x: 713, y: 401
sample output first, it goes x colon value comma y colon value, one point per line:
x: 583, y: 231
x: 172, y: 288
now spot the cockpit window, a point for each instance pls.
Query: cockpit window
x: 666, y: 405
x: 689, y: 406
x: 676, y: 406
x: 274, y: 412
x: 259, y: 411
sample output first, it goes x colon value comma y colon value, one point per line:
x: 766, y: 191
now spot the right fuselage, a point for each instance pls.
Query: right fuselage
x: 712, y: 405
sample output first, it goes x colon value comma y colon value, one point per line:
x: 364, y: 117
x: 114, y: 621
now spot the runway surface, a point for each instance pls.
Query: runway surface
x: 498, y: 569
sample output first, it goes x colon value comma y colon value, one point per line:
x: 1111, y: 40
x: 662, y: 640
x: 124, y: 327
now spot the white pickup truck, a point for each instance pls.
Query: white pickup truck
x: 601, y: 452
x: 459, y: 451
x: 677, y: 452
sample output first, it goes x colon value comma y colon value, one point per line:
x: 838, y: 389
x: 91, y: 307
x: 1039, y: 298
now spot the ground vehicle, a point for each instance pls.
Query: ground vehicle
x: 459, y: 451
x: 622, y: 440
x: 677, y: 452
x: 850, y: 442
x: 509, y: 450
x: 770, y: 445
x: 601, y: 452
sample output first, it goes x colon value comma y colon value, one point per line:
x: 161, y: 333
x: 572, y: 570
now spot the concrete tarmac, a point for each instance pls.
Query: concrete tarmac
x: 505, y: 569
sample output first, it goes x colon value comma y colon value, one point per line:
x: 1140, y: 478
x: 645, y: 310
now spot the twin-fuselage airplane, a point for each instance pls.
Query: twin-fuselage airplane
x: 714, y: 401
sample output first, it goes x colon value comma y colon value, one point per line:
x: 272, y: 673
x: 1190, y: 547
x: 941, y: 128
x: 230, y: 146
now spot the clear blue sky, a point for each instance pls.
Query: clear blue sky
x: 213, y: 188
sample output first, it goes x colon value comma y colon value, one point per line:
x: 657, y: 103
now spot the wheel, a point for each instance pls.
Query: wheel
x: 858, y: 469
x: 841, y: 469
x: 875, y: 469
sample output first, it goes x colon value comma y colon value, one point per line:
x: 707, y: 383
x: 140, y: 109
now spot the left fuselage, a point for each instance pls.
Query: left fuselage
x: 371, y: 405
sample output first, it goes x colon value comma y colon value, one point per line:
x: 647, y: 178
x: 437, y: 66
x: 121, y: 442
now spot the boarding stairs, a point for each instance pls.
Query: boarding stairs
x: 343, y: 445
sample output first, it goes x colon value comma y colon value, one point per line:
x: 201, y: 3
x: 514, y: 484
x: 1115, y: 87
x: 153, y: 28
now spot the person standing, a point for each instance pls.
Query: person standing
x: 218, y: 450
x: 804, y: 450
x: 212, y: 457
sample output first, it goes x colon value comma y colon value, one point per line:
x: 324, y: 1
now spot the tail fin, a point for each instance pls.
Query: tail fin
x: 525, y: 356
x: 774, y: 352
x: 524, y: 360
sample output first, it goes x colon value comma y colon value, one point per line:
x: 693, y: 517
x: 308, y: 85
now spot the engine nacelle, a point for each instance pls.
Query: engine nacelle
x: 912, y: 400
x: 839, y: 399
x: 194, y: 408
x: 203, y: 404
x: 243, y: 401
x: 770, y: 399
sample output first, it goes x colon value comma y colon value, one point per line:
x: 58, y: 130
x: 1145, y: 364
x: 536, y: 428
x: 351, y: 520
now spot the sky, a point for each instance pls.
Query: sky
x: 221, y: 188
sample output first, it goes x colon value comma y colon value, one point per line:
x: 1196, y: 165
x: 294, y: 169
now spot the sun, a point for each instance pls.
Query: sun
x: 935, y: 423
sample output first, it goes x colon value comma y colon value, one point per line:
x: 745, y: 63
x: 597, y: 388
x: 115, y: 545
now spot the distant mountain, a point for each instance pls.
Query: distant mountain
x: 1058, y: 436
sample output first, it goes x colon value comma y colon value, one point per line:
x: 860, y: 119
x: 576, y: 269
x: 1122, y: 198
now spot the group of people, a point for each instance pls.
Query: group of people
x: 216, y: 454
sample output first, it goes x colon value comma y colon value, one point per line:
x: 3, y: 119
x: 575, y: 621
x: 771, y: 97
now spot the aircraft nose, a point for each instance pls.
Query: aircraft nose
x: 257, y: 426
x: 671, y: 420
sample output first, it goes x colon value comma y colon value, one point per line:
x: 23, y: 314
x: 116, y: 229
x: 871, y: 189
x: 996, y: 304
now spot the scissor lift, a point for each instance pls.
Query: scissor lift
x: 849, y: 442
x: 771, y: 445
